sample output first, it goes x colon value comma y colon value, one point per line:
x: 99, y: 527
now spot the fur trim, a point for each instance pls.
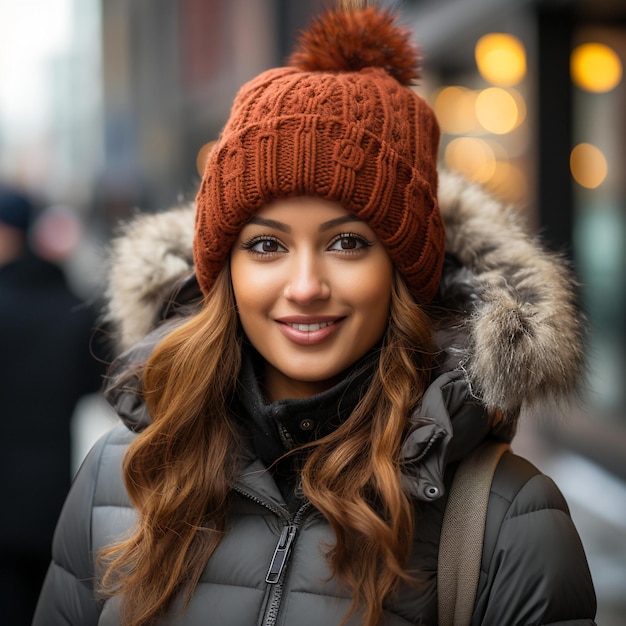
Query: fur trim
x: 511, y: 319
x: 520, y: 340
x: 151, y: 253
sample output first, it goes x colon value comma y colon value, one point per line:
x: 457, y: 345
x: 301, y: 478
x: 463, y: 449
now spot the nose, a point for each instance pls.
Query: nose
x: 307, y: 281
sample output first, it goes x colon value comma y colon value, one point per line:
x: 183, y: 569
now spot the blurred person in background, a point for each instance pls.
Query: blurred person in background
x: 46, y: 365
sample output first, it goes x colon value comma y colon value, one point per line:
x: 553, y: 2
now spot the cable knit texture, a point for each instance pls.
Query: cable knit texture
x: 353, y: 134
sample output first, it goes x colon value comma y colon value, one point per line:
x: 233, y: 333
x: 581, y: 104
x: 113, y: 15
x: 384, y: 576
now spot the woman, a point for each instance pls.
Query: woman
x: 296, y: 399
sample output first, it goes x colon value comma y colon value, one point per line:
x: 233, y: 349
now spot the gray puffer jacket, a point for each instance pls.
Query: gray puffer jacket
x: 512, y: 341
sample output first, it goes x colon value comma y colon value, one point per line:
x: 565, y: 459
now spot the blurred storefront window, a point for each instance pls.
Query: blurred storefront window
x: 598, y: 163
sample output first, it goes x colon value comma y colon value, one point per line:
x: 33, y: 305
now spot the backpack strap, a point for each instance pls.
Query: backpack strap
x: 462, y: 533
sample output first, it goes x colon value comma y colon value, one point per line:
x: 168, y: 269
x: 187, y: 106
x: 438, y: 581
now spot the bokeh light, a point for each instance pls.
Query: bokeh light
x: 595, y: 67
x: 588, y: 165
x: 509, y: 182
x: 203, y: 155
x: 497, y: 110
x: 456, y: 110
x: 471, y: 156
x: 501, y: 59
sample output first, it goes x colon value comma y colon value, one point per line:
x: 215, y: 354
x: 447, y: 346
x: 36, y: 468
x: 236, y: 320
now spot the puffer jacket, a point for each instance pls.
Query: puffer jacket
x: 511, y: 340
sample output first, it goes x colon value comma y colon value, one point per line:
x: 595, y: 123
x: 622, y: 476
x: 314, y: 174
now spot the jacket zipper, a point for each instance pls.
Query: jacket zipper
x: 276, y: 572
x: 251, y: 496
x: 281, y: 554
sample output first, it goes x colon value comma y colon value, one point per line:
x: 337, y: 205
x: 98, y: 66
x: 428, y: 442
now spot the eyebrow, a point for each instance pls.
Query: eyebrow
x: 285, y: 228
x: 261, y: 221
x: 345, y: 219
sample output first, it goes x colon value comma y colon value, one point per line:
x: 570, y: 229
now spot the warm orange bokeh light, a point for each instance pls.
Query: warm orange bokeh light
x: 588, y: 165
x: 509, y: 182
x: 497, y: 110
x: 471, y: 156
x: 456, y: 110
x: 203, y: 155
x: 501, y: 59
x: 595, y: 67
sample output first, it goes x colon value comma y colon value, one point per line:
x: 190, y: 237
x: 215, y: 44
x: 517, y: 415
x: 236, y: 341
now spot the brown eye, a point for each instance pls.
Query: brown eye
x: 264, y: 246
x: 348, y: 243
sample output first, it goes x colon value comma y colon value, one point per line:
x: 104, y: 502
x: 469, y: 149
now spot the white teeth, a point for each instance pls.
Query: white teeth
x: 308, y: 328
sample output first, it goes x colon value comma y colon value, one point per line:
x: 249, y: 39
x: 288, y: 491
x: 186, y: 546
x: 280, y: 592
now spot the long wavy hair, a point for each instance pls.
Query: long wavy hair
x: 179, y: 472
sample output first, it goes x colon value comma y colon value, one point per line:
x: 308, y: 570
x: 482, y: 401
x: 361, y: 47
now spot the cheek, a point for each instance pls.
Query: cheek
x: 370, y: 290
x: 254, y: 290
x: 245, y: 290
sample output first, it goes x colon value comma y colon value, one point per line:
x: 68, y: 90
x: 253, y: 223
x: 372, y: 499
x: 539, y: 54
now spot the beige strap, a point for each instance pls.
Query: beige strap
x: 462, y: 534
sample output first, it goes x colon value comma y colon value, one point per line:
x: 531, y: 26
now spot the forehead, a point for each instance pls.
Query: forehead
x: 303, y: 211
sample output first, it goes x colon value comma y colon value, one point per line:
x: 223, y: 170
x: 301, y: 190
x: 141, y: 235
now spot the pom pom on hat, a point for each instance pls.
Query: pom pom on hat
x: 346, y: 41
x: 340, y: 123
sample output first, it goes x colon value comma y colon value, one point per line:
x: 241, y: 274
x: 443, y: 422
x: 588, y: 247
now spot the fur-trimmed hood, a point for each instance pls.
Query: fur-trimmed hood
x: 510, y: 319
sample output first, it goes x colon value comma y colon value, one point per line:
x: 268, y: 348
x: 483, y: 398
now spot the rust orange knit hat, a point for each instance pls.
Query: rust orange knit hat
x: 340, y: 123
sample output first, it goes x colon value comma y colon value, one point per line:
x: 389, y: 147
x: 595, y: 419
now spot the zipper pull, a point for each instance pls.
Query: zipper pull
x: 281, y: 554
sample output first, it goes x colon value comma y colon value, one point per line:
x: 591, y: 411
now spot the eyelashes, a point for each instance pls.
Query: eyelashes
x: 352, y: 241
x: 263, y: 245
x: 268, y: 245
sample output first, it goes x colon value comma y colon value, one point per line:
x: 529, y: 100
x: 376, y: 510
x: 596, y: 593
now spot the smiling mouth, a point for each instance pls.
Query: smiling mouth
x: 309, y: 328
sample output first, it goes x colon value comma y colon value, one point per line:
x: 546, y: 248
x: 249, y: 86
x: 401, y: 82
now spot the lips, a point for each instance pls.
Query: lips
x: 308, y: 331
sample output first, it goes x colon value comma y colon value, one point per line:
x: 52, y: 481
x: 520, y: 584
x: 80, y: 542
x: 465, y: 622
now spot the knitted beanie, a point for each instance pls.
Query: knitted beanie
x: 339, y: 123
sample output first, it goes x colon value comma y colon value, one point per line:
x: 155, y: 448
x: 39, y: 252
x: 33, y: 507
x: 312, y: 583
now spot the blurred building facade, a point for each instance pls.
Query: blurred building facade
x: 173, y: 69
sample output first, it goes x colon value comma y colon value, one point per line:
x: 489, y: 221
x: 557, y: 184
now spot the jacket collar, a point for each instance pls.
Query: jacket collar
x: 281, y: 425
x: 445, y: 427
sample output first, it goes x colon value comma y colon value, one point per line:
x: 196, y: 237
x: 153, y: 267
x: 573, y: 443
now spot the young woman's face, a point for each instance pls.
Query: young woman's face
x: 313, y: 285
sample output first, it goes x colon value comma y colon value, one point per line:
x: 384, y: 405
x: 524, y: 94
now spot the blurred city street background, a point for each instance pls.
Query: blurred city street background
x: 108, y: 107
